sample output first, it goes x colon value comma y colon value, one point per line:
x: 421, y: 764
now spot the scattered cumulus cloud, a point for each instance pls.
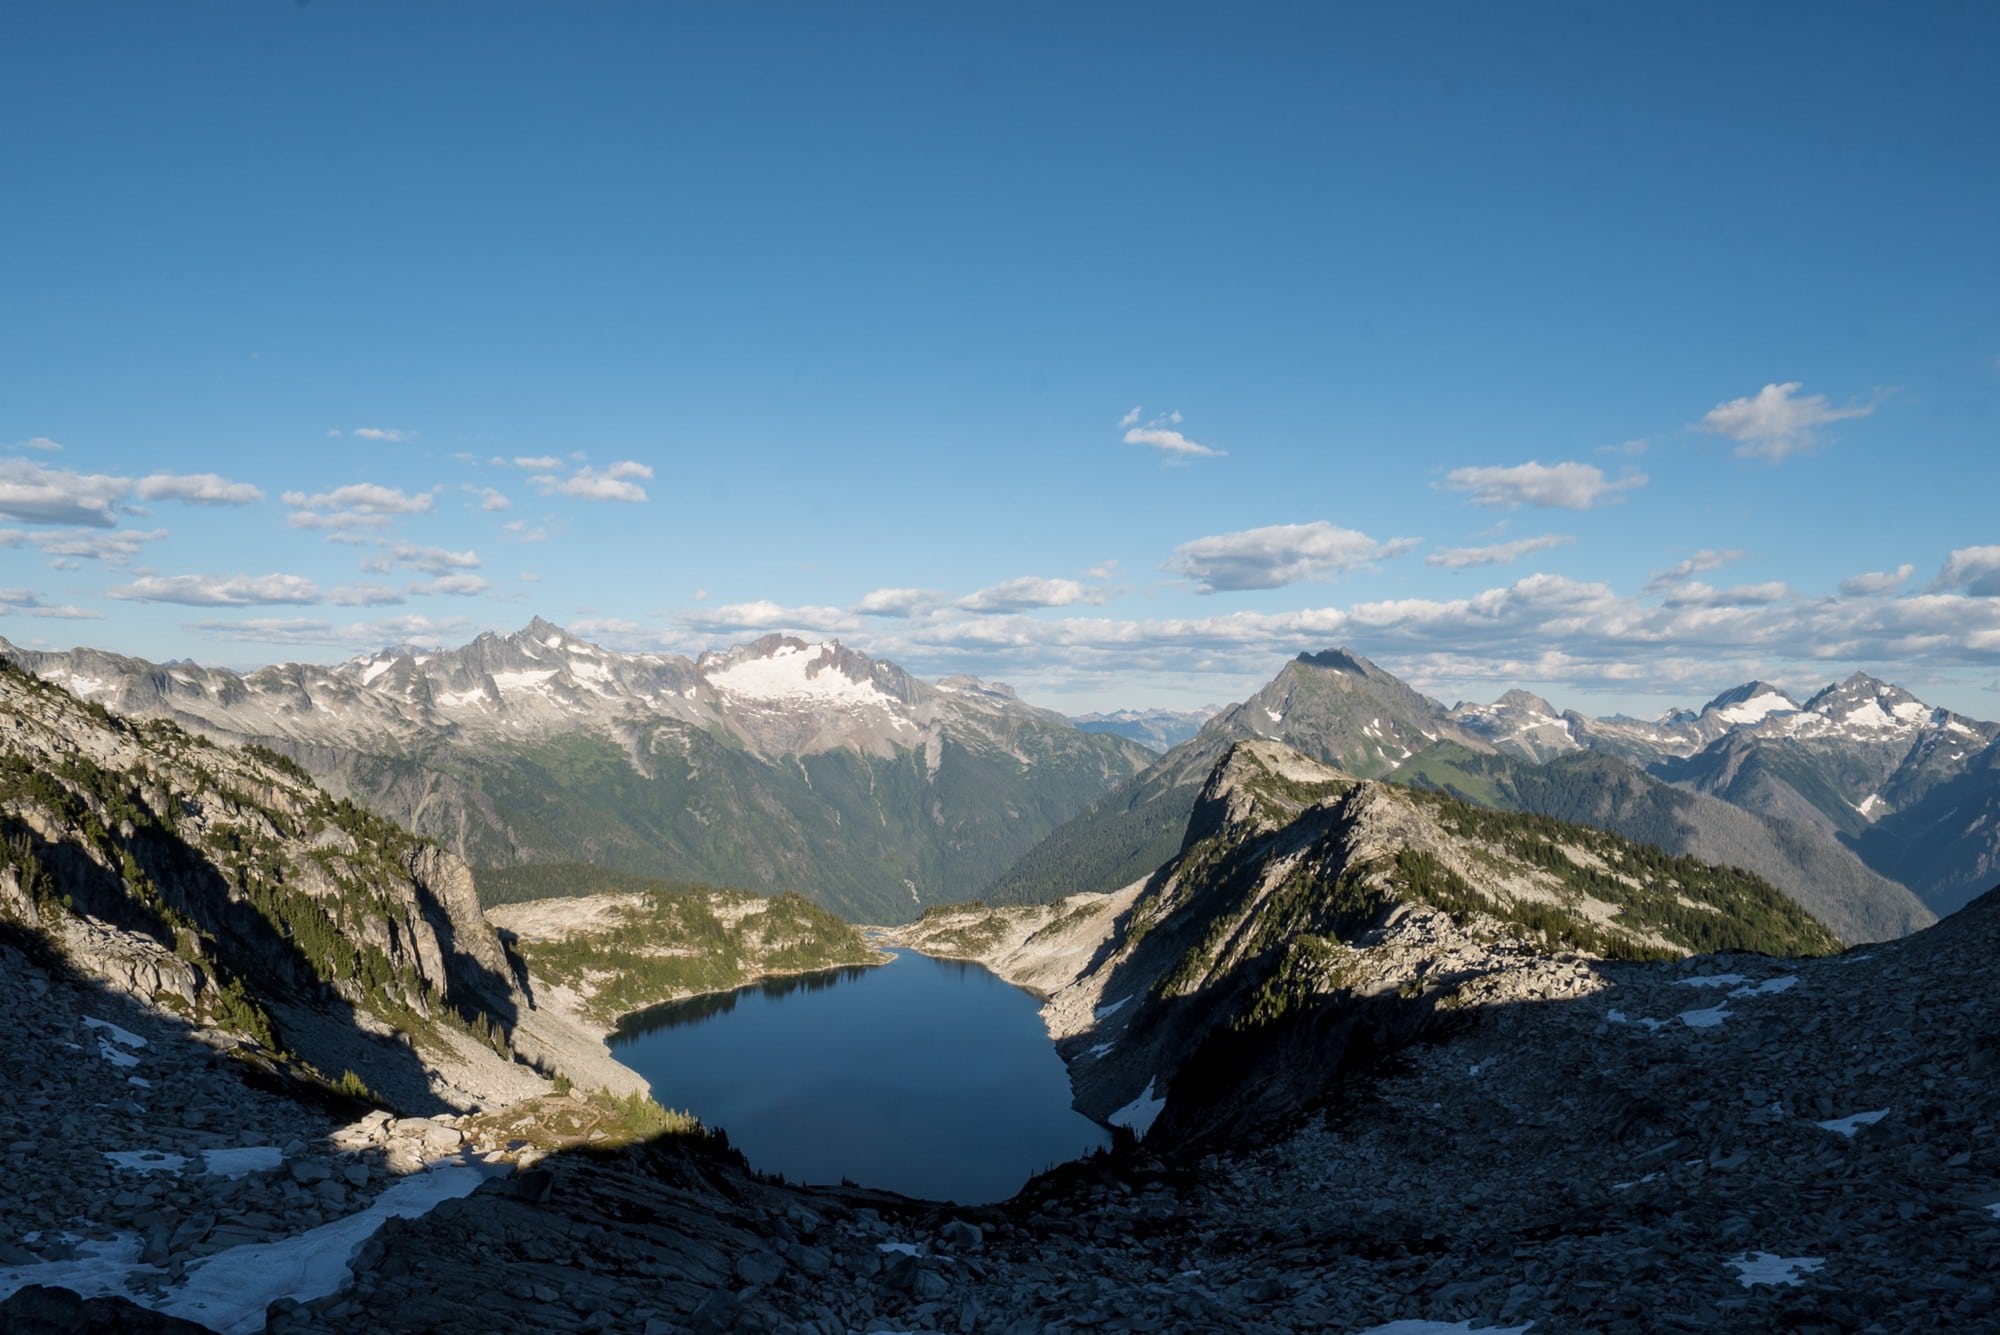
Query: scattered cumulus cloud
x: 113, y: 546
x: 888, y: 602
x: 491, y: 499
x: 1976, y: 570
x: 219, y: 590
x: 1278, y: 554
x: 1161, y: 434
x: 1631, y: 449
x: 619, y: 482
x: 1694, y: 593
x: 1703, y: 561
x: 27, y: 603
x: 364, y: 594
x: 197, y: 489
x: 357, y: 505
x: 429, y: 560
x: 764, y: 616
x: 1776, y: 421
x: 1496, y: 554
x: 1876, y: 582
x: 42, y: 443
x: 455, y: 586
x: 394, y: 435
x: 31, y: 493
x: 1030, y: 591
x: 1563, y: 486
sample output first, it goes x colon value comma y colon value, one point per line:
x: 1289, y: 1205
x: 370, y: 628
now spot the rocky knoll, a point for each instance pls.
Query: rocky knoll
x: 1311, y: 914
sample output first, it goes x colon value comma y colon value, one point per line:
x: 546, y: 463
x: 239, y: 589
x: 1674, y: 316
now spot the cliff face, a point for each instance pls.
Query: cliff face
x: 226, y: 886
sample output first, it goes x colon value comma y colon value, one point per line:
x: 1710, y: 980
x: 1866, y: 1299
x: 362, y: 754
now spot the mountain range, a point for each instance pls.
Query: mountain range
x: 772, y: 765
x: 1623, y: 776
x: 782, y: 764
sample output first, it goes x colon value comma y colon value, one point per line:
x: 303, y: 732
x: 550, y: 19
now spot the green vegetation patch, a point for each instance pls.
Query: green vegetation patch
x: 673, y: 942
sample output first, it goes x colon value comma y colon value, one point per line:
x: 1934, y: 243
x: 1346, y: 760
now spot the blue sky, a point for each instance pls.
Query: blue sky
x: 1623, y: 353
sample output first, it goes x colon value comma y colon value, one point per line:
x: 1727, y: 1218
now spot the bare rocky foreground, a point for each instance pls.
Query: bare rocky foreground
x: 1691, y: 1146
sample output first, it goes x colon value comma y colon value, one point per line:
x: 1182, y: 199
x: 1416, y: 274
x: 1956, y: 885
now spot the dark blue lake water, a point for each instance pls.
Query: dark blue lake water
x: 923, y: 1076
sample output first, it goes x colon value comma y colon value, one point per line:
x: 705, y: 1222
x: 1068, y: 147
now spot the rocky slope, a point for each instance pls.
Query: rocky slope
x: 223, y: 884
x: 1344, y: 711
x: 774, y: 765
x: 1591, y: 788
x: 1310, y: 907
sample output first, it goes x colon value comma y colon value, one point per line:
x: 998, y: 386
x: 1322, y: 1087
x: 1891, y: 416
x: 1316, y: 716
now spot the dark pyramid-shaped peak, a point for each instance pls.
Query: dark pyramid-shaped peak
x: 1341, y: 660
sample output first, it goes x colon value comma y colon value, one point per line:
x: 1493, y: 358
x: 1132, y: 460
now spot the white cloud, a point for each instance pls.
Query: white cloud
x: 1973, y: 569
x: 889, y: 602
x: 615, y: 483
x: 763, y: 616
x: 367, y: 498
x: 33, y: 494
x: 1877, y: 582
x: 519, y: 531
x: 457, y: 586
x: 540, y: 463
x: 1776, y: 421
x: 1631, y: 449
x: 388, y: 433
x: 27, y: 603
x: 430, y: 560
x: 492, y: 500
x: 359, y: 505
x: 116, y: 547
x: 219, y: 590
x: 197, y: 489
x: 365, y: 594
x: 1703, y: 561
x: 1159, y: 433
x: 42, y: 443
x: 1171, y: 442
x: 1563, y: 486
x: 1498, y: 554
x: 1694, y: 593
x: 1029, y: 591
x: 1278, y: 554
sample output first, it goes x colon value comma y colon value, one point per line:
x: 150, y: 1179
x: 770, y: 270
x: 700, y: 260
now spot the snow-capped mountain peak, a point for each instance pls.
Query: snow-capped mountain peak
x: 1752, y: 702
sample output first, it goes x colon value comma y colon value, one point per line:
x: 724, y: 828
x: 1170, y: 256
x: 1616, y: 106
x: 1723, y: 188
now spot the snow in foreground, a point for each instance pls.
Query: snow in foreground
x: 229, y: 1291
x: 1140, y: 1113
x: 1755, y: 1268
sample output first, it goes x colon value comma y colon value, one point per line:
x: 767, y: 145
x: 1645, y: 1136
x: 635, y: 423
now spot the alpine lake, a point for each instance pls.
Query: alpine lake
x: 928, y: 1077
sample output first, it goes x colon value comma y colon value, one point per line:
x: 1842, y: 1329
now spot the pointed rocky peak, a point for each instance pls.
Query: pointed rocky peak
x: 1341, y: 660
x: 1262, y: 784
x: 1527, y: 701
x: 1752, y: 702
x: 1865, y: 704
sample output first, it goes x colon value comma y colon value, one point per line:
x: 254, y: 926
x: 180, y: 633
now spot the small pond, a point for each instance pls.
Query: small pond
x: 924, y: 1076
